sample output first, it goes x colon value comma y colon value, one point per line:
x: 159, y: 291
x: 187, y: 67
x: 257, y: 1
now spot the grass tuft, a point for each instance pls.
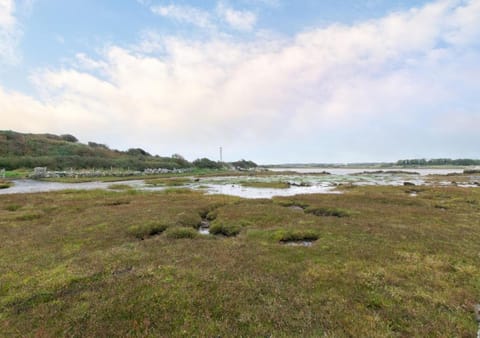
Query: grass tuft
x: 148, y: 229
x: 229, y: 230
x: 181, y: 232
x: 327, y: 211
x: 188, y: 219
x: 295, y: 235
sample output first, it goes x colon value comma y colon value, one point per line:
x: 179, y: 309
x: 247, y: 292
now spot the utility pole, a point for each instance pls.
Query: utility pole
x: 221, y: 155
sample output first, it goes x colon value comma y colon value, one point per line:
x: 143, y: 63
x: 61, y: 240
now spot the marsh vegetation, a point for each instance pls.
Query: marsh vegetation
x: 132, y: 263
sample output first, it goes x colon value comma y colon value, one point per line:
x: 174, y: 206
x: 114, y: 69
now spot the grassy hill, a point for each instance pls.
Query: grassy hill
x: 18, y: 150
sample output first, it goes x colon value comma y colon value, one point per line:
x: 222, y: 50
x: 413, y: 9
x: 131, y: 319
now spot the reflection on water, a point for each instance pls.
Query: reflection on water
x: 249, y: 192
x: 299, y: 183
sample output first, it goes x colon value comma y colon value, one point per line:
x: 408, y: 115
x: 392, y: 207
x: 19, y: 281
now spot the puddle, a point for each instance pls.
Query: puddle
x: 203, y: 231
x: 204, y: 228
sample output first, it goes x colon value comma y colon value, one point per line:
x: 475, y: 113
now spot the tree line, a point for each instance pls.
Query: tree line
x: 438, y: 162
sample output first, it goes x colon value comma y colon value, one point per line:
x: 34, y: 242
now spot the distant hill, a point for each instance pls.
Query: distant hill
x: 18, y: 150
x: 62, y: 152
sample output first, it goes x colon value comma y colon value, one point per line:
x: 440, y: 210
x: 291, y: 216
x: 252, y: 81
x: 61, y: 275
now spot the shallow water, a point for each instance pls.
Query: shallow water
x: 231, y: 185
x: 33, y: 186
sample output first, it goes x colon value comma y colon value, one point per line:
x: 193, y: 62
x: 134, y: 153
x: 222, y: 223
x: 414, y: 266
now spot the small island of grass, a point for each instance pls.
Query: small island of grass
x: 5, y: 184
x: 271, y: 185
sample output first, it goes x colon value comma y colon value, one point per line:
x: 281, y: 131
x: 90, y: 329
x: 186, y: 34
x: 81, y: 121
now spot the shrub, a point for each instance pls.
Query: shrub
x: 181, y: 232
x: 142, y: 231
x: 326, y: 211
x: 225, y: 230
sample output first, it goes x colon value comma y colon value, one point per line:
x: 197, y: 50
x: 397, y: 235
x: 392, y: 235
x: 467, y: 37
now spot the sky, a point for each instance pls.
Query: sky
x: 273, y: 81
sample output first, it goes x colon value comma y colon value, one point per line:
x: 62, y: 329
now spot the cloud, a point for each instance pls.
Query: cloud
x: 188, y: 14
x: 335, y: 93
x: 240, y: 20
x: 9, y: 31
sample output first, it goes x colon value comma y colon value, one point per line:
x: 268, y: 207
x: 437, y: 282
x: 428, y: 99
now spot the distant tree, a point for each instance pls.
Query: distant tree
x: 243, y: 164
x: 205, y: 163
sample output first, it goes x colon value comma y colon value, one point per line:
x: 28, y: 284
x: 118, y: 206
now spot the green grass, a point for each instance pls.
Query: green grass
x: 271, y: 185
x: 72, y: 265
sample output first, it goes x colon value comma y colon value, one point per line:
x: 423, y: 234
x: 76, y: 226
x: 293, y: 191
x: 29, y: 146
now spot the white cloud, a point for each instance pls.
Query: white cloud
x: 388, y: 78
x: 6, y: 13
x: 240, y: 20
x: 188, y: 14
x: 8, y: 31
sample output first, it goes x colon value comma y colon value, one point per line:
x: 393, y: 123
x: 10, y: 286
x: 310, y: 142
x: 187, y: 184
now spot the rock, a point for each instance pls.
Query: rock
x: 408, y: 183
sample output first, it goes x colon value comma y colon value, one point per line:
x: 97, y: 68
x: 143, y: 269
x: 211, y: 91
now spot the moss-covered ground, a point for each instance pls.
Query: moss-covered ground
x: 128, y: 263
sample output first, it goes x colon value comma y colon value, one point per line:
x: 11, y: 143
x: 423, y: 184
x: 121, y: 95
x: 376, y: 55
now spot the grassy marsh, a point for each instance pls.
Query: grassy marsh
x: 72, y: 265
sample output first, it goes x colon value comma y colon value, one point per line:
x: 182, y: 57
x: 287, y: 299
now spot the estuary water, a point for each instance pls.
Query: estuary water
x: 301, y: 181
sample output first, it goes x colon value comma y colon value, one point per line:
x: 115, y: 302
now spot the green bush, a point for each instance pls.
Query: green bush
x: 181, y: 232
x: 225, y: 230
x: 142, y: 231
x: 326, y: 211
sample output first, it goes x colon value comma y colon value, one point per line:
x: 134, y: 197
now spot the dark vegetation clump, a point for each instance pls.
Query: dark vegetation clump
x: 228, y: 230
x: 327, y: 211
x: 181, y: 232
x: 296, y: 235
x: 148, y: 229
